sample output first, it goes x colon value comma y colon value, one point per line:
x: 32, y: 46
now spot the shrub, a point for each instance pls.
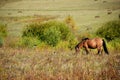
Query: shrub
x: 51, y: 32
x: 1, y: 41
x: 110, y: 30
x: 3, y: 30
x: 115, y: 44
x: 28, y: 42
x: 3, y: 33
x: 72, y: 41
x: 52, y: 36
x: 70, y: 21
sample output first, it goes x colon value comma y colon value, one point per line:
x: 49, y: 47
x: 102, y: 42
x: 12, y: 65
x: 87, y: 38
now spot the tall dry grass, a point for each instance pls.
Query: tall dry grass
x: 32, y: 64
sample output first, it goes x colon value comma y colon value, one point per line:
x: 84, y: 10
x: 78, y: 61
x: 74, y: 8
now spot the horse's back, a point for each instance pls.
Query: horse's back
x: 95, y: 42
x: 99, y: 41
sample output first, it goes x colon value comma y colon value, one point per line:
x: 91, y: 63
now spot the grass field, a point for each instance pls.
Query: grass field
x: 50, y: 63
x: 26, y: 64
x: 82, y: 11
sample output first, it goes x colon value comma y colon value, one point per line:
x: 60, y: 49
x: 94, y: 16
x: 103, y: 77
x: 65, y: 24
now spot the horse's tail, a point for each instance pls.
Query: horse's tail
x: 105, y: 47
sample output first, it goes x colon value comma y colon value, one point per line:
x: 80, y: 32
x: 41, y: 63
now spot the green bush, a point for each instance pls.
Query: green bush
x: 72, y: 41
x: 1, y: 41
x: 28, y: 42
x: 52, y: 36
x: 3, y: 33
x: 3, y: 30
x: 110, y: 30
x: 51, y: 32
x: 115, y: 44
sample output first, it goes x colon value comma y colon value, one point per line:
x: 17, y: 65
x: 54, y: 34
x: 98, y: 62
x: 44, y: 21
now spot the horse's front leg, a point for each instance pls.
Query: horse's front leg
x: 77, y: 50
x: 87, y: 50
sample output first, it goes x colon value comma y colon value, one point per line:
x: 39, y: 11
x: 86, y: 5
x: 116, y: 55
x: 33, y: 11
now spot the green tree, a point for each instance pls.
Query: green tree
x: 110, y: 30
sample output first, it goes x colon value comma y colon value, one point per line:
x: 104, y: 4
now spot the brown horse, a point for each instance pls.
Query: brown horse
x: 92, y: 44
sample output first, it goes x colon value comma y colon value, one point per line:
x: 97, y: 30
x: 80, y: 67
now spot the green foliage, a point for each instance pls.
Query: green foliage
x: 115, y: 44
x: 3, y: 33
x: 52, y: 36
x: 110, y: 30
x: 72, y: 41
x: 3, y: 30
x: 51, y: 32
x: 1, y: 41
x: 29, y: 42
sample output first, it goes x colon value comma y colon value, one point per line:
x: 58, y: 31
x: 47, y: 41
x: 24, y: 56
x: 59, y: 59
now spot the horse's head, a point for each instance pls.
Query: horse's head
x: 78, y: 46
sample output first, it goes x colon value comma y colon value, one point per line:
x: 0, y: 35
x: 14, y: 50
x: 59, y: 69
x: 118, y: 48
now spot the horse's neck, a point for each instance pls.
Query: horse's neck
x: 80, y: 44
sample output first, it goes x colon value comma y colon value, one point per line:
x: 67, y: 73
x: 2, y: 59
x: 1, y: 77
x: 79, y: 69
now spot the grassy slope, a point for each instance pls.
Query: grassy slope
x: 62, y: 4
x: 83, y: 11
x: 3, y: 2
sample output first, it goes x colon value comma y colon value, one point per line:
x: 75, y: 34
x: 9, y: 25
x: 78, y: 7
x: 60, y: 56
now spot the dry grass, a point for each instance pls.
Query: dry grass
x: 31, y: 64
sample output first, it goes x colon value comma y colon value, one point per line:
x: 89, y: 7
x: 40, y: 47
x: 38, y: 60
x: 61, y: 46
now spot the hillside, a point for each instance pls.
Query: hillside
x: 60, y: 4
x: 3, y: 2
x: 88, y: 14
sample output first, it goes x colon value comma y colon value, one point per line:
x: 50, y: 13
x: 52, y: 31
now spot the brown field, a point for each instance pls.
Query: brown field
x: 33, y: 64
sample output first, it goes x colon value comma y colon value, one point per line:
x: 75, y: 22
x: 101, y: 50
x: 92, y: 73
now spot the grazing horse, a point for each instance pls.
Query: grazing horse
x: 92, y: 44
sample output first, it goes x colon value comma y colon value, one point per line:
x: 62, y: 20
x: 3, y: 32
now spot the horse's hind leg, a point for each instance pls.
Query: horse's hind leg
x: 99, y: 50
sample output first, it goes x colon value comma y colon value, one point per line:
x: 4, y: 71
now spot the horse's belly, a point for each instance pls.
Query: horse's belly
x: 92, y: 46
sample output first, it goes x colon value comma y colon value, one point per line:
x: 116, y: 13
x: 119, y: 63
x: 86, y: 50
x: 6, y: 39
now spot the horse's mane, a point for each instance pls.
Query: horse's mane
x: 81, y: 42
x: 85, y: 39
